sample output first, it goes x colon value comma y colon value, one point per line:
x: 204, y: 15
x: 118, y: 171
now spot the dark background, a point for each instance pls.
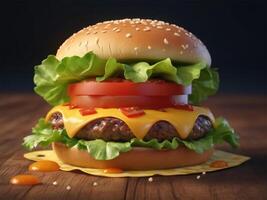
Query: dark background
x: 234, y: 32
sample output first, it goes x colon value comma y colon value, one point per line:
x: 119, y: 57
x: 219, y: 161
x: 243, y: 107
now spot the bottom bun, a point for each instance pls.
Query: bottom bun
x: 136, y: 159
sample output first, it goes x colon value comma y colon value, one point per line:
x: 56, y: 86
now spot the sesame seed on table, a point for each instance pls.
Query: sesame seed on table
x: 247, y: 114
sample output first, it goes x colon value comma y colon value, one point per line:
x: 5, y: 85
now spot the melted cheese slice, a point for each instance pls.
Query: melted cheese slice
x: 182, y: 120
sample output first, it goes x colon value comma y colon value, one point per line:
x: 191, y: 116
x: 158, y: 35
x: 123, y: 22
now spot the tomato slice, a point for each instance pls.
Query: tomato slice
x: 127, y: 101
x: 87, y: 111
x: 132, y: 111
x: 127, y: 88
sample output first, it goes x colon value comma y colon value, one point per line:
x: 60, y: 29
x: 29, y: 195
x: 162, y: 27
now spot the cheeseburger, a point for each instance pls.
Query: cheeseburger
x: 126, y: 94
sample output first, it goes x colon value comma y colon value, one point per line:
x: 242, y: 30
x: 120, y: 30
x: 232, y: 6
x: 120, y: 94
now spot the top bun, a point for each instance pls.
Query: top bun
x: 136, y: 39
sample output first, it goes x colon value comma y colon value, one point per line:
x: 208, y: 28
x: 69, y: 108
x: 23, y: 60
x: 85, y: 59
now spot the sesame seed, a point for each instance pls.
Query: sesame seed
x: 149, y: 47
x: 188, y: 34
x: 150, y: 179
x: 159, y: 27
x: 143, y: 22
x: 128, y: 35
x: 68, y: 187
x: 80, y: 44
x: 203, y: 173
x: 167, y: 29
x: 87, y: 32
x: 176, y: 34
x: 104, y: 31
x: 126, y: 20
x: 198, y: 177
x: 138, y: 29
x: 95, y: 183
x: 184, y: 46
x: 106, y: 26
x: 135, y: 48
x: 54, y: 183
x: 118, y: 30
x: 95, y: 32
x: 146, y: 29
x: 115, y: 28
x: 165, y: 41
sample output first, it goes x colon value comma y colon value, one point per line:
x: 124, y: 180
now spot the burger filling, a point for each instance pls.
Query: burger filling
x: 113, y: 129
x: 115, y: 106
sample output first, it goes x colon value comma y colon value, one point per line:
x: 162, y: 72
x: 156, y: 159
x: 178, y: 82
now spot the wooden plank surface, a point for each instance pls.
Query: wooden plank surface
x: 247, y: 114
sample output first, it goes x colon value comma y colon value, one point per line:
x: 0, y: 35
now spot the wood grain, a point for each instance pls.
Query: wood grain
x: 247, y: 114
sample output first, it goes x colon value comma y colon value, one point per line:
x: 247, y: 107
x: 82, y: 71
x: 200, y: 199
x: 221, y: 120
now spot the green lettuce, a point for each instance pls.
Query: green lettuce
x: 206, y: 85
x: 53, y: 76
x: 43, y: 135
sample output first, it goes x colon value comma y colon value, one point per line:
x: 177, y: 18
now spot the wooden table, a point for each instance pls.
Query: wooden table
x: 19, y: 112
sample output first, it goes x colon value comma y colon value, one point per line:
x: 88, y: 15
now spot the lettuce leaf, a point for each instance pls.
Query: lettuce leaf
x: 206, y: 85
x: 53, y: 76
x: 43, y: 135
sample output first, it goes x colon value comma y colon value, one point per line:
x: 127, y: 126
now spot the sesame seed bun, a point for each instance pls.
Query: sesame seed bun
x: 136, y: 39
x: 136, y: 159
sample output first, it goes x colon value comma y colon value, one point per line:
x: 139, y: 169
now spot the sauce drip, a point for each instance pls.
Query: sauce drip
x: 24, y: 179
x: 218, y: 164
x: 44, y: 166
x: 113, y: 170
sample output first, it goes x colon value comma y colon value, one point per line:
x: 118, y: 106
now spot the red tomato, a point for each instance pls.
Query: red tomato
x: 127, y: 88
x: 127, y: 101
x: 132, y: 111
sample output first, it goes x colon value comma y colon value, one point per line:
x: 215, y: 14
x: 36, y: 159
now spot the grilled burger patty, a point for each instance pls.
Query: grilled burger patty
x: 113, y: 129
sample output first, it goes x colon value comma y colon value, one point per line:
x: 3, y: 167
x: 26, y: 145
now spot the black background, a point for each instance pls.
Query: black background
x: 234, y: 32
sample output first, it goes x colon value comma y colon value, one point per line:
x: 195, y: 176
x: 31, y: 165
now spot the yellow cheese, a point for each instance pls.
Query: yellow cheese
x: 182, y: 120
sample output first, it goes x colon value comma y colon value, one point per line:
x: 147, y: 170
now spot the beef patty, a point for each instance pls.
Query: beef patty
x: 113, y: 129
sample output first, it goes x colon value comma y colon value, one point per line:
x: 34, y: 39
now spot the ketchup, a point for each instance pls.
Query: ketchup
x: 44, y: 166
x: 113, y: 170
x: 87, y: 111
x: 219, y: 164
x: 24, y: 179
